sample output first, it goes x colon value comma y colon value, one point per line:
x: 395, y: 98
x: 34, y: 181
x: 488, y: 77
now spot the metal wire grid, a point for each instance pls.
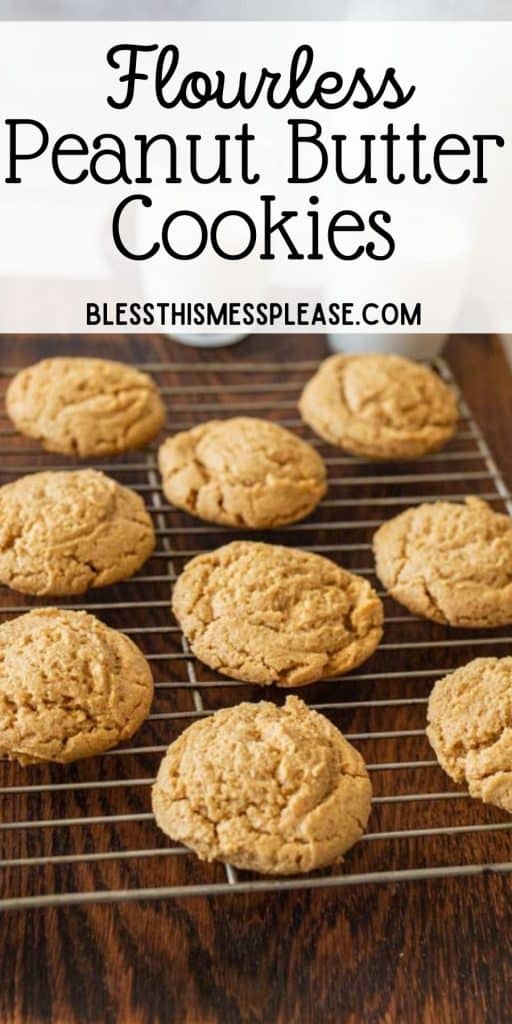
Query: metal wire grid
x: 101, y: 855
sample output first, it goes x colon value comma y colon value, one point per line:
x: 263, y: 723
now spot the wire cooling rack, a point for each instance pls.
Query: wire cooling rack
x: 84, y: 832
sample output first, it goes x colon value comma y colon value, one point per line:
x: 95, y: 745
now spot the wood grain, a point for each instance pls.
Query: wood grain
x: 416, y: 953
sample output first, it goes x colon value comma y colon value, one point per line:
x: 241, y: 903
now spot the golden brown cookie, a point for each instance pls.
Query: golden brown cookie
x: 266, y: 614
x: 470, y: 728
x: 63, y: 532
x: 242, y: 472
x: 276, y: 790
x: 379, y: 406
x: 451, y: 563
x: 85, y: 407
x: 70, y: 687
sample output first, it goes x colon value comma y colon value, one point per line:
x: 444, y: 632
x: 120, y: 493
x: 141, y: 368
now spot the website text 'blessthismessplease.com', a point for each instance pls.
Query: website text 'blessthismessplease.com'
x: 226, y: 315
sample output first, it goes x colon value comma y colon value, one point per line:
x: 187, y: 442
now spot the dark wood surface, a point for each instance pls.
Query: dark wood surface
x: 414, y: 953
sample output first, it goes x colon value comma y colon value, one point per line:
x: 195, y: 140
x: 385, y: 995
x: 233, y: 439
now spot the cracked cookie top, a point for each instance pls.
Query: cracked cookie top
x: 242, y: 472
x: 271, y: 789
x: 449, y: 562
x: 70, y: 687
x: 64, y: 532
x: 470, y: 728
x: 266, y: 614
x: 85, y: 407
x: 379, y: 406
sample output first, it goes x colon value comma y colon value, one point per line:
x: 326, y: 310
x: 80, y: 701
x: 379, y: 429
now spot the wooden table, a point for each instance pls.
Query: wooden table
x: 435, y: 952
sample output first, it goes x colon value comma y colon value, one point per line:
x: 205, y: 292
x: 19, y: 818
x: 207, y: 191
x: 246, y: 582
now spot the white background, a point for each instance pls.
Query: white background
x: 228, y: 10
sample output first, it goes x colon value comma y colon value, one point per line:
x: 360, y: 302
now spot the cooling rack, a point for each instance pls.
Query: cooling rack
x: 83, y: 833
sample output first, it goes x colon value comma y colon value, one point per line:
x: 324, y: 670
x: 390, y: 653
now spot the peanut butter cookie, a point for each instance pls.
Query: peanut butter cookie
x: 242, y: 472
x: 70, y: 687
x: 470, y: 728
x: 85, y: 407
x: 276, y: 790
x: 379, y: 406
x: 63, y: 532
x: 269, y: 614
x: 449, y: 562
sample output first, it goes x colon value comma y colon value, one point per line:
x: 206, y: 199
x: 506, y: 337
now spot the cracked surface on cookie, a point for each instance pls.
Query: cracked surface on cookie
x: 266, y: 614
x: 379, y: 406
x: 449, y: 562
x: 242, y: 472
x: 470, y: 728
x: 63, y: 532
x: 276, y: 790
x: 85, y: 407
x: 70, y: 687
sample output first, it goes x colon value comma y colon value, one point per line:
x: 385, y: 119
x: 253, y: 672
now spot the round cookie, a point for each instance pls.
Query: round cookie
x: 63, y: 532
x: 266, y: 614
x: 379, y: 406
x: 242, y: 472
x: 449, y: 562
x: 276, y: 790
x: 70, y: 687
x: 85, y: 407
x: 470, y: 728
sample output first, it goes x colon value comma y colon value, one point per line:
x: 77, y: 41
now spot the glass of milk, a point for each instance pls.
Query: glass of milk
x: 413, y: 346
x: 207, y: 277
x: 208, y: 340
x: 431, y: 266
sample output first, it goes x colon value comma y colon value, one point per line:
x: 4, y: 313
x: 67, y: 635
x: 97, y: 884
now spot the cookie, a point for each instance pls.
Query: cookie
x: 70, y: 687
x: 449, y: 562
x: 85, y: 407
x: 269, y: 789
x: 242, y: 472
x: 379, y: 406
x: 470, y: 728
x: 269, y: 614
x: 63, y: 532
